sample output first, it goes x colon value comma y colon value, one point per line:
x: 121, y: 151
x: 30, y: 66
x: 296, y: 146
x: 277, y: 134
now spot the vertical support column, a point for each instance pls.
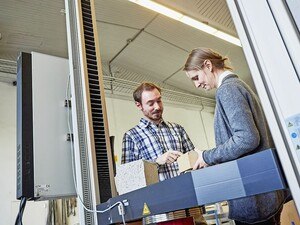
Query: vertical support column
x: 93, y: 159
x: 266, y: 33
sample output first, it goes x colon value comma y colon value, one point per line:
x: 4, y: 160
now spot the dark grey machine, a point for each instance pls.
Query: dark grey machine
x: 250, y: 175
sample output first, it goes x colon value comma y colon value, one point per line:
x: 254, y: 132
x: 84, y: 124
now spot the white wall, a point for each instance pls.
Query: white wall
x: 122, y: 115
x: 7, y: 150
x: 9, y: 205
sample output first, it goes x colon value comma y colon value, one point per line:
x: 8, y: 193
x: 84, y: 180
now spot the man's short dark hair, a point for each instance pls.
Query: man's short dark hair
x: 137, y: 94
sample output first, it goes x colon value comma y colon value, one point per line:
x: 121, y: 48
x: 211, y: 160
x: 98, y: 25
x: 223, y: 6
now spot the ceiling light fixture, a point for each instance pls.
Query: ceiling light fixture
x: 187, y: 20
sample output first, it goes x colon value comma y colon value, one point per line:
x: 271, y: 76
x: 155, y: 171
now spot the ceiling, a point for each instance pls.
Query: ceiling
x: 157, y: 53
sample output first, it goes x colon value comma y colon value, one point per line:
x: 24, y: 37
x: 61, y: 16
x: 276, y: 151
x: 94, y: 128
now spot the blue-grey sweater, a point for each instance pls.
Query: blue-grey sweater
x: 241, y: 129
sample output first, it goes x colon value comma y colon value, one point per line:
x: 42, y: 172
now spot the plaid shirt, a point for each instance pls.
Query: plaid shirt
x: 148, y: 141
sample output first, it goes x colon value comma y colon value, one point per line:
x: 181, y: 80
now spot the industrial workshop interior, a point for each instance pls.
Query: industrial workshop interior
x: 109, y: 116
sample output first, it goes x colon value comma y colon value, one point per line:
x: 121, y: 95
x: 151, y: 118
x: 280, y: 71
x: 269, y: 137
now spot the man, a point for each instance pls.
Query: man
x: 154, y: 139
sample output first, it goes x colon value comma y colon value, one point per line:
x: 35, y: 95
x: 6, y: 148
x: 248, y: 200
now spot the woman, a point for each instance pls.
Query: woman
x: 240, y: 129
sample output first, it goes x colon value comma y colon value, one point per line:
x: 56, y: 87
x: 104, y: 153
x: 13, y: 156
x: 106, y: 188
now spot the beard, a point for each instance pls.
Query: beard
x: 154, y: 116
x: 157, y: 115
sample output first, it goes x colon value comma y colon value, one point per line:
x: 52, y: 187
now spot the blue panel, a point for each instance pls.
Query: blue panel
x: 257, y: 163
x: 218, y: 173
x: 217, y: 192
x: 263, y: 182
x: 218, y: 183
x: 260, y: 172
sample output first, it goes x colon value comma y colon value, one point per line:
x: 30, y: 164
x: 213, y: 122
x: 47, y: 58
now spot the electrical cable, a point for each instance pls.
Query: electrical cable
x: 119, y: 203
x: 21, y: 210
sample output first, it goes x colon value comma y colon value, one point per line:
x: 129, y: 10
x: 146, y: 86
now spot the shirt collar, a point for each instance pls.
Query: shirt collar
x: 145, y: 123
x: 222, y: 76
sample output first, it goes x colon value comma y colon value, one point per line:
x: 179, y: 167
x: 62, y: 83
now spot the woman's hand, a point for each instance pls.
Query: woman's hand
x: 200, y: 163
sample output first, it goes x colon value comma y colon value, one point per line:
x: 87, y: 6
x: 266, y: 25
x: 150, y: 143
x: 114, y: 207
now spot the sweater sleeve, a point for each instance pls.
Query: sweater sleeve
x: 235, y: 108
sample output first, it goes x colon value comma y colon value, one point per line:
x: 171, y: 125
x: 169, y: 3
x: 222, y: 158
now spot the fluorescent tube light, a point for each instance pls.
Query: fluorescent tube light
x: 159, y: 8
x: 187, y: 20
x: 228, y: 38
x: 198, y: 25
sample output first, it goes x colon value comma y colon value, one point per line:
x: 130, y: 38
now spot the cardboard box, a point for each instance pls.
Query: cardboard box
x: 135, y: 175
x: 187, y: 161
x: 289, y: 214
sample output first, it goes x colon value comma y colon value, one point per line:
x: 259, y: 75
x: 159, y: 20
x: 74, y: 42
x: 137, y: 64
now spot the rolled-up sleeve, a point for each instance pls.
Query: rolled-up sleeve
x: 186, y: 141
x: 128, y: 147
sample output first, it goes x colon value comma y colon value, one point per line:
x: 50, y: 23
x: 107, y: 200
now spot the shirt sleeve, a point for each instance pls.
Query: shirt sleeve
x: 128, y: 147
x: 236, y: 109
x: 187, y: 144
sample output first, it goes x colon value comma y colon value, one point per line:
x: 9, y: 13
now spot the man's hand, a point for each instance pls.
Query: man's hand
x: 200, y: 163
x: 168, y: 157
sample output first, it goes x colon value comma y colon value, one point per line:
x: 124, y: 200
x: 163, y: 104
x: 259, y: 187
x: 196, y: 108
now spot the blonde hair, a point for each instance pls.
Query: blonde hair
x: 197, y: 57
